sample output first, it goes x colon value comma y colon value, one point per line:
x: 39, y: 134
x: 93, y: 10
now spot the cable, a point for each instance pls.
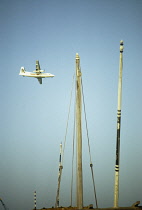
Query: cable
x: 73, y: 158
x: 68, y: 119
x: 91, y: 165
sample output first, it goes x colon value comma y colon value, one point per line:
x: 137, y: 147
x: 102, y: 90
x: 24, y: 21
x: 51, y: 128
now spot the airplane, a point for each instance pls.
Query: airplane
x: 38, y: 73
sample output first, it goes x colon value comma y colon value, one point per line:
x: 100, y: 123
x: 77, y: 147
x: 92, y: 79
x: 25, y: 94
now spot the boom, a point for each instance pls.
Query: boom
x: 4, y: 206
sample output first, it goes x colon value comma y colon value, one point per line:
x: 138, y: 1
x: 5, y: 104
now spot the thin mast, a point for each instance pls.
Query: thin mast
x: 59, y: 178
x: 79, y: 185
x: 35, y: 200
x: 116, y: 184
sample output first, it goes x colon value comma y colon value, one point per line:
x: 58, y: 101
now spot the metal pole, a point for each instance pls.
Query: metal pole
x: 79, y: 134
x: 116, y: 184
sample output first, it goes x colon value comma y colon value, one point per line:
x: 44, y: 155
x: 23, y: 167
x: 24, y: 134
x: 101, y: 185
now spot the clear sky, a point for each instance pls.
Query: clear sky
x: 34, y: 116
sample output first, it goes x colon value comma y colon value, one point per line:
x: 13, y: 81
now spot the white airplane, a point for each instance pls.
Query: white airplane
x: 38, y: 73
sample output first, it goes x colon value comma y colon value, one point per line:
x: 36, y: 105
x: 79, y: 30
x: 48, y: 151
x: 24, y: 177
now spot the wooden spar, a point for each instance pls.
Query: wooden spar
x: 79, y: 185
x: 116, y: 184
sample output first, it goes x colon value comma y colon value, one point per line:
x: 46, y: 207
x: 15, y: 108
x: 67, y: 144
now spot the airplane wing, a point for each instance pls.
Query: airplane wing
x: 37, y: 66
x: 40, y: 80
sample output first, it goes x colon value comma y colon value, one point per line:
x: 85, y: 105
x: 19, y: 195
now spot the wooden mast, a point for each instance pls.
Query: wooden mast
x: 79, y: 185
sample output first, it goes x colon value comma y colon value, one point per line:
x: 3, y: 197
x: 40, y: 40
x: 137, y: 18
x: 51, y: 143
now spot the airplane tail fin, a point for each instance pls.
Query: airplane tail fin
x: 22, y: 70
x: 40, y: 80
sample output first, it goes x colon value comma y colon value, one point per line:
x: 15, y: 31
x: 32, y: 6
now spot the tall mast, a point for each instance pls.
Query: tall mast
x: 116, y: 184
x: 79, y: 185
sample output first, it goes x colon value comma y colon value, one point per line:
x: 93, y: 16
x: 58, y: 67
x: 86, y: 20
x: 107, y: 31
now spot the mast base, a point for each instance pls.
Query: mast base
x: 135, y: 206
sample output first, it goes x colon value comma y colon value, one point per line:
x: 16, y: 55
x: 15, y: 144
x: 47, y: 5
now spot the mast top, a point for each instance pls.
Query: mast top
x: 121, y: 46
x: 77, y: 56
x: 78, y: 69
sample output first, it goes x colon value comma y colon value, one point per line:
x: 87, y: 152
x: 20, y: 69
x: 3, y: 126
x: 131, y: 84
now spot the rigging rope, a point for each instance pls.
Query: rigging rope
x: 91, y: 165
x: 73, y: 158
x: 68, y: 120
x: 62, y: 153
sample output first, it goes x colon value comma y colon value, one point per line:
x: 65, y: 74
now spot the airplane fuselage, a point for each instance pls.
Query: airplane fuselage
x: 36, y: 75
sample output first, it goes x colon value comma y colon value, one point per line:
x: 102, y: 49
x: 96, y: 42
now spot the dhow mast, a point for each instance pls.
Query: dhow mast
x: 116, y: 184
x: 79, y: 186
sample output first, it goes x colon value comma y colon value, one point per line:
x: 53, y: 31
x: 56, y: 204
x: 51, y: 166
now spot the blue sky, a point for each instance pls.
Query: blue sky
x: 34, y: 116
